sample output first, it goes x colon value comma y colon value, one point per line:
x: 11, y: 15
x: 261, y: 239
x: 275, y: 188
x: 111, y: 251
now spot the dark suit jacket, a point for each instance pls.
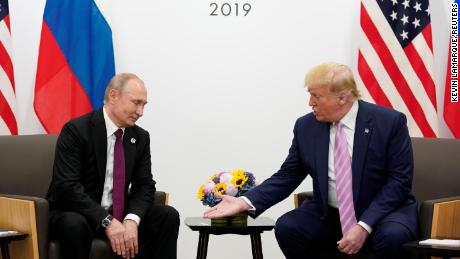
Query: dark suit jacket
x: 80, y: 164
x: 382, y: 167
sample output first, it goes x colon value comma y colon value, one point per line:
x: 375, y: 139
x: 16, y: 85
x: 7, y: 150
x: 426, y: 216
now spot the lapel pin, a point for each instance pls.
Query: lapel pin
x: 366, y: 130
x: 133, y: 140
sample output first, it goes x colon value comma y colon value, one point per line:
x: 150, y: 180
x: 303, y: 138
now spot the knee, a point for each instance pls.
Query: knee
x: 284, y: 228
x: 171, y: 216
x: 75, y: 223
x: 390, y: 235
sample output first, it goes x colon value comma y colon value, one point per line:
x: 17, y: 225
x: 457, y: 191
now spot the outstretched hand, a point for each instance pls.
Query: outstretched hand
x: 229, y: 206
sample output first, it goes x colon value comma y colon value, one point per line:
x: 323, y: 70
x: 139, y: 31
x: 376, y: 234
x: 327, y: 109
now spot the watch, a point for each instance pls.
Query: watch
x: 106, y: 221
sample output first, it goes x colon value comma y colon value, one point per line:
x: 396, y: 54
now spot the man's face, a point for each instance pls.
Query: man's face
x: 325, y: 104
x: 128, y: 105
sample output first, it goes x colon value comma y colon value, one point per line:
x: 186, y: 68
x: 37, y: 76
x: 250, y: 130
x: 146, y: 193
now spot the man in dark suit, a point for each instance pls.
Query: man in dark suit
x: 359, y: 156
x: 102, y: 182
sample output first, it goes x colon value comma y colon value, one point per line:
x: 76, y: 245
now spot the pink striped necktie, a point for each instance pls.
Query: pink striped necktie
x: 343, y: 180
x: 118, y: 194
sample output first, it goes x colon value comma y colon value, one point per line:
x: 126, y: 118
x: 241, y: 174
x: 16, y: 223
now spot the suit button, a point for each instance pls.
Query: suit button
x: 322, y: 218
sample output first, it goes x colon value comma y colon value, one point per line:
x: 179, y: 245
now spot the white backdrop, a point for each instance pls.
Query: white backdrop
x: 224, y: 92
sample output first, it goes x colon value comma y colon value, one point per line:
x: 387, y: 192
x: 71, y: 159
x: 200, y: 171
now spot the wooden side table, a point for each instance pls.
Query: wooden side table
x: 444, y: 252
x: 254, y: 228
x: 6, y: 239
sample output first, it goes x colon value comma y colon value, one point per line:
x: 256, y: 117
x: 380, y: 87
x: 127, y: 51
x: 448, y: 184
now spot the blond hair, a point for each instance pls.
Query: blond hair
x: 337, y: 77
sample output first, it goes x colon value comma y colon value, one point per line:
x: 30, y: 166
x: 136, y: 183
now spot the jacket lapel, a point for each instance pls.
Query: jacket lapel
x: 363, y: 133
x: 99, y: 138
x: 322, y: 154
x: 129, y: 145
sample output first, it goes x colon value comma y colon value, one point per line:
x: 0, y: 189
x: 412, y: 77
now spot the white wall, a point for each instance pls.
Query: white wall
x: 224, y: 91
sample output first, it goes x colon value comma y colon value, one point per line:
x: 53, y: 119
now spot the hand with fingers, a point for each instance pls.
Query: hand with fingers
x: 130, y: 237
x: 229, y: 206
x: 115, y: 233
x: 353, y: 240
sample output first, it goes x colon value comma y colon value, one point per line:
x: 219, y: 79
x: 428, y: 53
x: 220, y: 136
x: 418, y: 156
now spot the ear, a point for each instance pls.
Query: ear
x: 343, y: 97
x: 113, y: 95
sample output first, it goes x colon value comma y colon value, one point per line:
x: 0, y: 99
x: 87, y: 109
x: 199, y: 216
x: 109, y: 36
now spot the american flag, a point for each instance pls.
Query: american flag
x: 8, y: 125
x: 395, y: 61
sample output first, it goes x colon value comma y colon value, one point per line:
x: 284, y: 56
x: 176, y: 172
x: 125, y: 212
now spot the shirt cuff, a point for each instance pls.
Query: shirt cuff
x: 366, y: 227
x: 249, y: 203
x: 133, y: 217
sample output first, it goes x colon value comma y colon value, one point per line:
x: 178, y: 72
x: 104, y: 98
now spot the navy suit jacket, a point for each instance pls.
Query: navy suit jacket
x: 382, y: 167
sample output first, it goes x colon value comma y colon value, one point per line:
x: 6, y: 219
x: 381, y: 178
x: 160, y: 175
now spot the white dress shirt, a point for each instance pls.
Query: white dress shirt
x: 106, y: 201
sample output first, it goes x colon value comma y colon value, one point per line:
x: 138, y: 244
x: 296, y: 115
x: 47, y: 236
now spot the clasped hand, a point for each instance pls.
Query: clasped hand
x: 123, y: 238
x: 353, y: 240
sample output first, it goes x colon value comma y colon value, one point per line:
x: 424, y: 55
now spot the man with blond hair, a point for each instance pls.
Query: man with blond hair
x: 102, y: 182
x: 359, y: 156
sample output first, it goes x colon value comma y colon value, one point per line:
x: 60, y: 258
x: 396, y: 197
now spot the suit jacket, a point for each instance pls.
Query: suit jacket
x: 80, y: 164
x: 382, y: 167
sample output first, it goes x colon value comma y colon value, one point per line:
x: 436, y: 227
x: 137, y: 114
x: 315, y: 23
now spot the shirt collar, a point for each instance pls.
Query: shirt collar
x: 109, y: 125
x: 349, y: 120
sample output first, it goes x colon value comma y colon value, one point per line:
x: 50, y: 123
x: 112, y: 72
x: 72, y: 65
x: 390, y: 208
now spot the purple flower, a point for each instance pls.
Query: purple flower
x: 209, y: 186
x: 231, y: 190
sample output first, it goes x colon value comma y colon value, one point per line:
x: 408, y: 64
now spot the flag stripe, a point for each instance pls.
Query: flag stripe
x: 7, y: 89
x: 371, y: 82
x: 8, y: 124
x: 5, y: 37
x: 422, y: 73
x: 395, y: 63
x: 428, y: 38
x: 6, y: 63
x: 8, y: 116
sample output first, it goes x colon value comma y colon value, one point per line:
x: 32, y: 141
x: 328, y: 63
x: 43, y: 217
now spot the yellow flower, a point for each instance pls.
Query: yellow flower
x: 212, y: 177
x: 200, y: 195
x: 220, y: 188
x: 239, y: 178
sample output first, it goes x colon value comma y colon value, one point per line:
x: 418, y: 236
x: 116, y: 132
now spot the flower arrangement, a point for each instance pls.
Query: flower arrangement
x: 234, y: 183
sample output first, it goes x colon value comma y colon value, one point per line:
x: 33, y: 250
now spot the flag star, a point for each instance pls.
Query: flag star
x: 393, y: 15
x: 394, y: 2
x: 404, y: 35
x: 404, y: 19
x: 417, y: 6
x: 416, y: 23
x: 405, y: 3
x: 428, y: 11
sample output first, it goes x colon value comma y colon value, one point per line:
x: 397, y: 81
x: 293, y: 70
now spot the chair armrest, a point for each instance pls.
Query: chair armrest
x: 36, y: 223
x: 433, y: 213
x: 300, y: 197
x: 161, y: 198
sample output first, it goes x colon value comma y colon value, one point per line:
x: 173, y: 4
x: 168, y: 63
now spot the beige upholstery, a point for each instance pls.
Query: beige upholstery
x: 436, y: 180
x: 26, y: 164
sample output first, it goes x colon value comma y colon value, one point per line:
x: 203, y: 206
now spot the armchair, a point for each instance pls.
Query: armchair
x: 26, y: 166
x: 435, y: 186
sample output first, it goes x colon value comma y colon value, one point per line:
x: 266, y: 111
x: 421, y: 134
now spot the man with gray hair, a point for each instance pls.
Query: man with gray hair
x: 102, y: 182
x: 359, y: 156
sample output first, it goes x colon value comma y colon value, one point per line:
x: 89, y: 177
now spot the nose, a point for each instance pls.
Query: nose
x: 311, y: 102
x: 140, y: 110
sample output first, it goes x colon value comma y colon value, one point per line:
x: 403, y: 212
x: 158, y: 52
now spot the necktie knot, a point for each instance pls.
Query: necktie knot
x: 118, y: 133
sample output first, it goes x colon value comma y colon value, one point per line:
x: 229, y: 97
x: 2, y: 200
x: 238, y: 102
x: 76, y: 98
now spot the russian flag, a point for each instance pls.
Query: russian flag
x: 75, y: 62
